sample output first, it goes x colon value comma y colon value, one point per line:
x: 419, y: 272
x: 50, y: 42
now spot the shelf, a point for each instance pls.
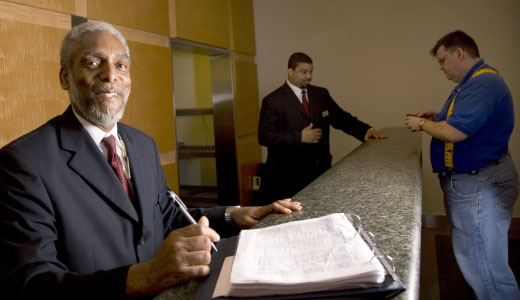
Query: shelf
x: 199, y: 196
x: 194, y: 111
x: 196, y: 151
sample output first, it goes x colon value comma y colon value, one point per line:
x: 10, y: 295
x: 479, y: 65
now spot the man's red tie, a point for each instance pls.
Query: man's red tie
x: 115, y: 161
x: 305, y: 104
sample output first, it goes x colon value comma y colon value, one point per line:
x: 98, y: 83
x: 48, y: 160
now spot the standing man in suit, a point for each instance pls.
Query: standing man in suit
x: 469, y: 151
x: 73, y: 225
x: 294, y: 125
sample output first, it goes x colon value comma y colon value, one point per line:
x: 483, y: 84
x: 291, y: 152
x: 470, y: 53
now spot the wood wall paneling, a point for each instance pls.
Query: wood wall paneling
x: 249, y: 156
x: 228, y: 24
x: 246, y: 94
x: 36, y: 27
x: 29, y: 66
x: 71, y: 7
x: 150, y: 106
x: 202, y: 21
x: 29, y: 63
x: 242, y: 27
x: 171, y: 172
x: 32, y: 15
x: 149, y: 15
x: 144, y: 37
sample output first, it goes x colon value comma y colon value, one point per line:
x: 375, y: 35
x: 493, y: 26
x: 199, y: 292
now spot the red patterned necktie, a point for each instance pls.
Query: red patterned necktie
x: 305, y: 104
x: 115, y: 161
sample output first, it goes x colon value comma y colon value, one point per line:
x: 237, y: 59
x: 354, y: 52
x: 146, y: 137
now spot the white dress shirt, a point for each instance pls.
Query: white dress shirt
x: 97, y: 135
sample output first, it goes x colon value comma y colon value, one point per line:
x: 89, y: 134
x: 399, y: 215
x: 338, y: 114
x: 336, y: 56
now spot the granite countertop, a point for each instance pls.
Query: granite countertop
x: 381, y: 182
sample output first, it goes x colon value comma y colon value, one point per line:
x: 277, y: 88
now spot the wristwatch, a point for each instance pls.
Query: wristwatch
x: 227, y: 215
x: 421, y: 123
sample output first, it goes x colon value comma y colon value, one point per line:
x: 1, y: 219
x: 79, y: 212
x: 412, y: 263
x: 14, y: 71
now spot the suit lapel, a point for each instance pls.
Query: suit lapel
x: 142, y: 179
x: 90, y: 164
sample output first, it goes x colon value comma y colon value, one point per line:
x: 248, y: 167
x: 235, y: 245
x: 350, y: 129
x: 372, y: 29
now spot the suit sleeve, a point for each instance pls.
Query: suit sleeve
x: 173, y: 219
x: 344, y: 121
x: 30, y: 266
x: 270, y: 130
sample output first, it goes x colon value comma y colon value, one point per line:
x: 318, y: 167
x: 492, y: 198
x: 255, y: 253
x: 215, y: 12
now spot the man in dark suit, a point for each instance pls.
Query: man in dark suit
x: 294, y: 125
x: 69, y: 227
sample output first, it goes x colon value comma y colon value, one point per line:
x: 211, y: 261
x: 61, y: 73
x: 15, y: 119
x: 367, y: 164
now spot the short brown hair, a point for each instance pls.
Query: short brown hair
x: 454, y: 40
x: 298, y: 57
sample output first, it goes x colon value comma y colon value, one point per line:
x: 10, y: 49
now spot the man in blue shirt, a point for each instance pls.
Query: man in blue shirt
x: 469, y: 151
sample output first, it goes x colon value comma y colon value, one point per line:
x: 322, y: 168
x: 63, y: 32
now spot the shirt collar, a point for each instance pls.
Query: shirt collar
x: 95, y: 132
x: 479, y: 64
x: 296, y: 90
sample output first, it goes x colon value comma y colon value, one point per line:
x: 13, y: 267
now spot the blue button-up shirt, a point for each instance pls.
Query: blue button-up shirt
x: 483, y: 110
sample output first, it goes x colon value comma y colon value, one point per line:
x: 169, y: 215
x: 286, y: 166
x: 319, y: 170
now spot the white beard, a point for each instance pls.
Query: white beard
x: 88, y: 109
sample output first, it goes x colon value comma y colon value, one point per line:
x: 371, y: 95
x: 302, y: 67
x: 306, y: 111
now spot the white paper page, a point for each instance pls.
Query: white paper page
x: 314, y: 250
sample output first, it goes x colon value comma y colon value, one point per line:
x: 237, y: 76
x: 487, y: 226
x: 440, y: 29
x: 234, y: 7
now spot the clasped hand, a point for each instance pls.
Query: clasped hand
x: 412, y: 120
x: 311, y: 135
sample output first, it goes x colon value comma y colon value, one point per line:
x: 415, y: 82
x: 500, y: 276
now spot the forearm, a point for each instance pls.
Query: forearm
x: 443, y: 131
x: 349, y: 124
x: 217, y: 221
x: 358, y: 130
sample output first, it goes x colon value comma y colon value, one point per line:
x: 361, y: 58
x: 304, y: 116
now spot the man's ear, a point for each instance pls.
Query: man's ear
x: 290, y: 72
x: 460, y: 53
x: 64, y: 79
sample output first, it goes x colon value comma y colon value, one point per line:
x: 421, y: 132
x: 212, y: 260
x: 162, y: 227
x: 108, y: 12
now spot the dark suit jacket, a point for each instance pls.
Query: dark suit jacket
x: 291, y: 164
x: 67, y: 229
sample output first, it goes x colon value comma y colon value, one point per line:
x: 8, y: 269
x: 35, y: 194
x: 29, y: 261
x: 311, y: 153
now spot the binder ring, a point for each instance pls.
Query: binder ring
x: 372, y: 237
x: 391, y: 260
x: 378, y: 256
x: 354, y: 219
x: 385, y: 259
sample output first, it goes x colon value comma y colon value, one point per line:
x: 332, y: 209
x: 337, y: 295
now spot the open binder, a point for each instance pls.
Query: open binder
x: 387, y: 287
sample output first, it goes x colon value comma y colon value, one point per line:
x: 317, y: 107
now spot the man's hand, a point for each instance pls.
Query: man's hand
x: 184, y: 254
x: 428, y: 115
x: 440, y: 130
x: 245, y: 217
x: 374, y: 134
x: 412, y: 123
x: 311, y: 135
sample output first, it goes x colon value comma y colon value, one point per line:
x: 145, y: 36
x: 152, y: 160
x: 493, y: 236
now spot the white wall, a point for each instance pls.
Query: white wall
x: 373, y: 56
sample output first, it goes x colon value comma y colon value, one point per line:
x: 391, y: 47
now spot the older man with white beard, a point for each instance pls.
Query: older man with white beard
x: 75, y: 220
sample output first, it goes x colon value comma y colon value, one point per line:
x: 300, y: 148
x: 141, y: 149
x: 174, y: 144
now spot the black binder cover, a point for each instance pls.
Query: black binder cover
x: 226, y: 247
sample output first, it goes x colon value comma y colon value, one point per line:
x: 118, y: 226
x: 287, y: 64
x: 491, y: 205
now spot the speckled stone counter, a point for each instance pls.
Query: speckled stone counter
x: 381, y: 182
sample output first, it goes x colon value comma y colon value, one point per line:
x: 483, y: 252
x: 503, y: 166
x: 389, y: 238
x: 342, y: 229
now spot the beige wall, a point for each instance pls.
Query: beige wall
x: 373, y: 56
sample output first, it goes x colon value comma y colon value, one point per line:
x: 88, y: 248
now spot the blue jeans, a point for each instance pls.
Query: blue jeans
x: 479, y: 208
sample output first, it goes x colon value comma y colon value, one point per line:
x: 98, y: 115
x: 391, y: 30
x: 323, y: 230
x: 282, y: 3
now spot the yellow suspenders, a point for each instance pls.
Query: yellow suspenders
x: 448, y: 146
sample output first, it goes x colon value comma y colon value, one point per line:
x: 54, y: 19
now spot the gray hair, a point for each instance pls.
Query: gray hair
x: 71, y: 41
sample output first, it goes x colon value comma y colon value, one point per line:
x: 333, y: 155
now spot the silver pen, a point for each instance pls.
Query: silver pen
x: 184, y: 211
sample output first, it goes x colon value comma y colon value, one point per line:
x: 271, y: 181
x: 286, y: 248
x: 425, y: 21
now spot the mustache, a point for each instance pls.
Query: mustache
x: 107, y: 89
